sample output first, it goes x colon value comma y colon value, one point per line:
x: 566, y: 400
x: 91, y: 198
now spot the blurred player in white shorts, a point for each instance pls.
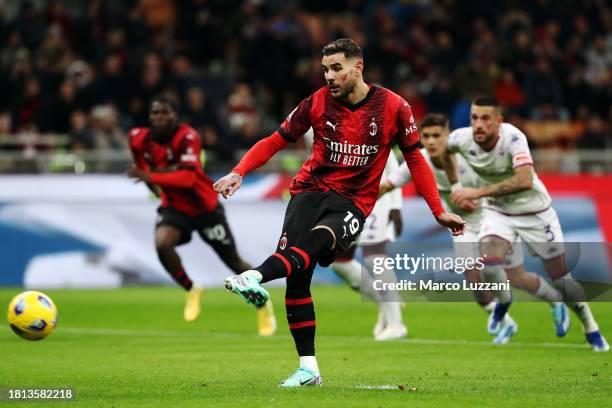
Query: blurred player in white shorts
x: 517, y: 205
x: 382, y: 226
x: 434, y: 136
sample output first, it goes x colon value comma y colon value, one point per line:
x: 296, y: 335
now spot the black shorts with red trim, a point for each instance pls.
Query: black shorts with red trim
x: 313, y: 208
x: 211, y: 226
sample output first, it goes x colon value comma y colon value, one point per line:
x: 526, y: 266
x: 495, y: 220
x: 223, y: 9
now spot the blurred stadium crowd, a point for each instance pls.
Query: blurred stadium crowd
x: 86, y: 69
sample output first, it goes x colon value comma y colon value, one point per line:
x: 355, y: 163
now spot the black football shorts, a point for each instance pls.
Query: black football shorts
x: 309, y: 209
x: 212, y: 226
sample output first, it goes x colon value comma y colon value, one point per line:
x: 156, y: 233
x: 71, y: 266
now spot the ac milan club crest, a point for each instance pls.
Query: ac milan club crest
x: 373, y: 127
x: 282, y: 244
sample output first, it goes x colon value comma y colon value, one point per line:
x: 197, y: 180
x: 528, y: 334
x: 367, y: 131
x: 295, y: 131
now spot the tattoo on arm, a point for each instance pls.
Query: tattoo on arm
x: 521, y: 180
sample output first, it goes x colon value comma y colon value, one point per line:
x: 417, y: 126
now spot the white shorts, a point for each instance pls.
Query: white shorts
x: 468, y: 246
x: 541, y: 232
x: 377, y: 228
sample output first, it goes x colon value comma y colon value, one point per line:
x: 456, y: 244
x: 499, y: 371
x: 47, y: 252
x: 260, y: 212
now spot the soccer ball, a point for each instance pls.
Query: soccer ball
x: 32, y: 315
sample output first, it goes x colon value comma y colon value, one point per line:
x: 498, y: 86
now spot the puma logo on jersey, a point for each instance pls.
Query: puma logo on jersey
x: 331, y: 125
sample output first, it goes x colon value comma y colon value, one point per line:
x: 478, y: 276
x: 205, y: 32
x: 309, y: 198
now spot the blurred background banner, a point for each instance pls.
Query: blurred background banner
x: 81, y: 231
x: 77, y: 75
x: 97, y: 231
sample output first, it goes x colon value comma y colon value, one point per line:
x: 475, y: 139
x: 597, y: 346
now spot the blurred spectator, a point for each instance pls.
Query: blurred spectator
x: 111, y: 85
x: 106, y: 133
x: 241, y: 107
x: 543, y: 90
x: 441, y: 97
x: 57, y: 14
x: 58, y: 113
x: 599, y: 63
x: 596, y: 135
x: 29, y: 109
x: 81, y: 137
x: 508, y: 92
x: 29, y: 25
x: 63, y: 58
x: 409, y: 92
x: 199, y: 111
x: 6, y: 123
x: 151, y: 77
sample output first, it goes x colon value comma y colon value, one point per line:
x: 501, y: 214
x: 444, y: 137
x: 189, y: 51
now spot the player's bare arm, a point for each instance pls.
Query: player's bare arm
x: 425, y: 184
x: 447, y: 159
x: 521, y: 180
x: 138, y: 175
x: 385, y: 187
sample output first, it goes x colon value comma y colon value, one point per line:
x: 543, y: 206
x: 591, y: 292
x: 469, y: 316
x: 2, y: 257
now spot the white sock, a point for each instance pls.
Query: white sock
x: 309, y: 362
x: 574, y: 297
x: 355, y: 274
x: 496, y: 274
x: 489, y: 307
x: 392, y: 312
x: 388, y: 276
x: 547, y: 292
x: 583, y: 311
x: 570, y: 289
x: 349, y: 271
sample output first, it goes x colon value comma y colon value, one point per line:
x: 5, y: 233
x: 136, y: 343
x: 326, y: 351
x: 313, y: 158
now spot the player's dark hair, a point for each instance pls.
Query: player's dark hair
x: 487, y: 101
x: 435, y: 119
x: 344, y: 45
x: 166, y: 101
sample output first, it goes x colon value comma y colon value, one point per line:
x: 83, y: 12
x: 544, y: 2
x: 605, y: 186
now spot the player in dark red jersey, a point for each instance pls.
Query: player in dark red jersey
x: 167, y: 159
x: 355, y: 125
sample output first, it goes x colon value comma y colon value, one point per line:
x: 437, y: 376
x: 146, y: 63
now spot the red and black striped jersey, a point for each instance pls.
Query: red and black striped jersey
x: 351, y: 142
x: 175, y: 167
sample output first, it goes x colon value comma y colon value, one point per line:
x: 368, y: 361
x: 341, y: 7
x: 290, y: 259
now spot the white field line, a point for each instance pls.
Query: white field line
x: 170, y: 333
x: 378, y: 387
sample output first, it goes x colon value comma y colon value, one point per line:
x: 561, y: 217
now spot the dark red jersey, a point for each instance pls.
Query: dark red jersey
x: 175, y: 168
x: 351, y: 147
x: 351, y: 142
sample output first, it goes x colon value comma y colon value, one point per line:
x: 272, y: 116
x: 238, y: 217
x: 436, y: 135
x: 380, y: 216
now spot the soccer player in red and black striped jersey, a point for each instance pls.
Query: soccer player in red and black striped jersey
x: 355, y: 126
x: 167, y: 159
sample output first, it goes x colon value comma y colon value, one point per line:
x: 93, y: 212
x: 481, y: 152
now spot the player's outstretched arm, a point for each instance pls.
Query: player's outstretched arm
x: 450, y: 166
x: 256, y: 157
x: 137, y: 174
x: 521, y: 180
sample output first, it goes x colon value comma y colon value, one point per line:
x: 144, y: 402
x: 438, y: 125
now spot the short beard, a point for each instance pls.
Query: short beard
x: 344, y: 92
x: 487, y: 140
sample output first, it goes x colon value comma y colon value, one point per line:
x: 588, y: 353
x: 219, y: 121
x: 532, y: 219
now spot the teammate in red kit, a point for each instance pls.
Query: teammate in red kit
x: 355, y: 126
x: 167, y: 158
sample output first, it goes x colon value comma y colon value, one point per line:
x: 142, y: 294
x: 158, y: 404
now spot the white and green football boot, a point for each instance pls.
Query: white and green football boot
x: 247, y: 286
x: 301, y: 378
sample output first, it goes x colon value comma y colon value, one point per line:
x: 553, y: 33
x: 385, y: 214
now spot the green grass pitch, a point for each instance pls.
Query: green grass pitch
x: 130, y: 348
